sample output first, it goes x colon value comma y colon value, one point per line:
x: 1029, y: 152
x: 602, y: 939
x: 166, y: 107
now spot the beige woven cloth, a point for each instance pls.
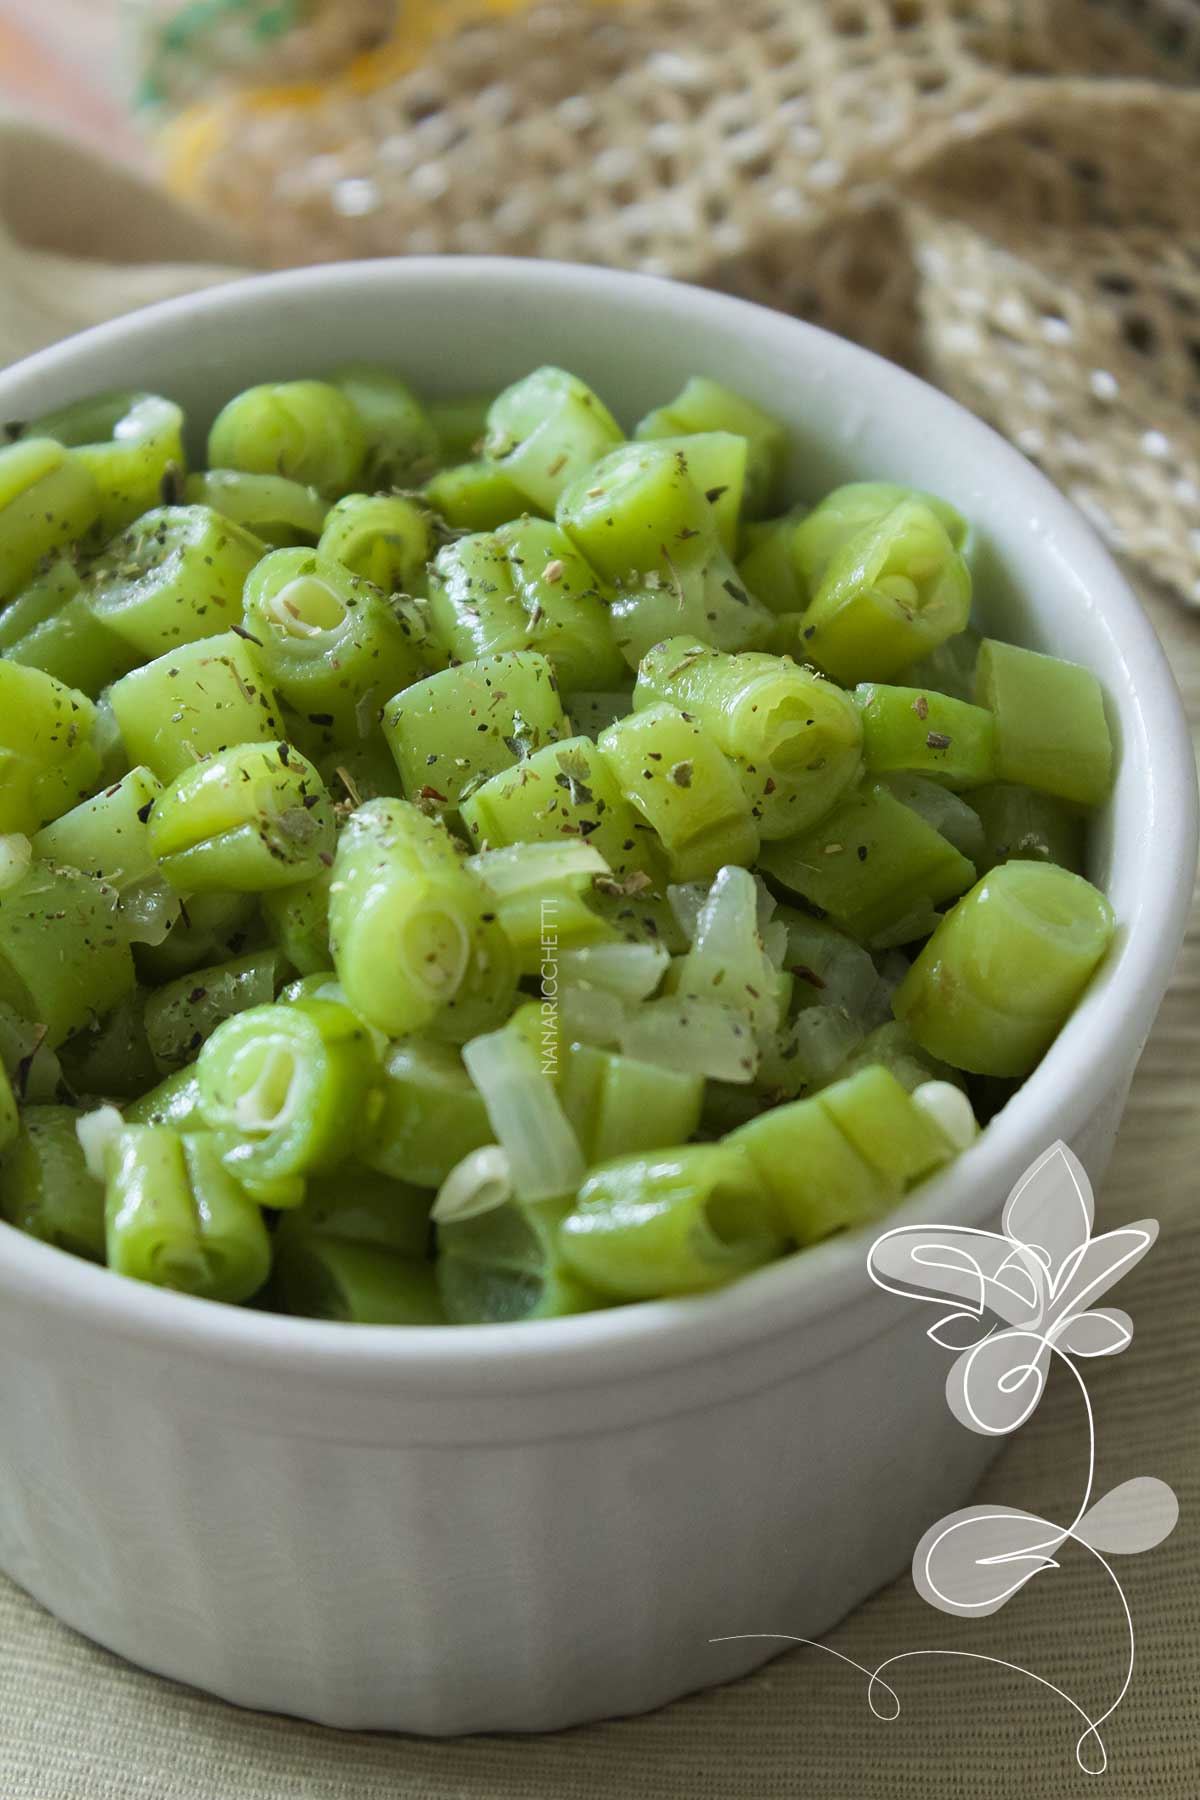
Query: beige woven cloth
x: 76, y: 1724
x: 1004, y: 194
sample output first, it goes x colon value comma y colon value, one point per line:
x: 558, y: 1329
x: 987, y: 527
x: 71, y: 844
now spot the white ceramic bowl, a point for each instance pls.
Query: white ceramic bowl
x: 526, y: 1526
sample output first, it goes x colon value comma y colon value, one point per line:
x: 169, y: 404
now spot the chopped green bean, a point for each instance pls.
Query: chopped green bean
x: 298, y: 920
x: 50, y: 626
x: 1017, y: 822
x: 673, y: 1222
x: 10, y: 1121
x: 914, y: 731
x: 524, y: 587
x: 506, y: 1265
x: 899, y: 1140
x: 131, y: 443
x: 547, y: 430
x: 566, y: 790
x: 63, y: 959
x: 456, y: 729
x: 705, y: 406
x: 334, y: 645
x: 248, y: 819
x: 540, y: 893
x: 176, y: 1218
x: 998, y: 978
x: 1051, y: 733
x: 211, y: 927
x: 358, y: 1205
x: 363, y: 771
x: 604, y: 1096
x: 707, y: 602
x: 175, y: 1101
x: 849, y: 511
x: 112, y: 1057
x: 475, y: 496
x: 28, y: 1060
x: 46, y: 1188
x: 817, y: 1179
x: 639, y: 510
x: 717, y: 462
x: 383, y: 537
x: 181, y: 1016
x: 431, y: 1115
x: 873, y: 866
x: 195, y: 700
x: 324, y: 1277
x: 48, y: 500
x: 796, y: 738
x: 279, y: 511
x: 402, y: 442
x: 403, y: 916
x: 307, y: 431
x: 461, y: 424
x: 174, y: 576
x: 297, y: 1086
x: 766, y: 565
x: 672, y: 771
x: 888, y: 596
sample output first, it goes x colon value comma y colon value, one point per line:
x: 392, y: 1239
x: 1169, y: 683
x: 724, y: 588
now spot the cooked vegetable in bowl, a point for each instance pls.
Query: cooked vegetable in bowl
x: 462, y: 865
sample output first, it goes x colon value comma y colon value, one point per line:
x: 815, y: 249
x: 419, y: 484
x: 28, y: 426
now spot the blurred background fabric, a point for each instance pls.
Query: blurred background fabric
x: 1002, y: 195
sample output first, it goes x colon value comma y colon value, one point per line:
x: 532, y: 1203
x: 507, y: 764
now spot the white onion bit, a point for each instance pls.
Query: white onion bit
x: 97, y: 1133
x: 950, y: 1111
x: 478, y: 1184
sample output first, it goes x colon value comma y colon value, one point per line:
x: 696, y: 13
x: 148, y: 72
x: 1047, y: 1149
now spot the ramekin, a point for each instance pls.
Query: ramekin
x: 521, y: 1527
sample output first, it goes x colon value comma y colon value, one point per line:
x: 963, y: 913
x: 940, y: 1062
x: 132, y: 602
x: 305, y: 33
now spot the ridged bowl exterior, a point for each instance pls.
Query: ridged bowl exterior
x: 524, y: 1527
x: 570, y: 1571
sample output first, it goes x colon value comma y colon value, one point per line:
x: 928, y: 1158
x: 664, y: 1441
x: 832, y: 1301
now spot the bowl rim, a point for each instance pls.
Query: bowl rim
x: 1082, y: 1068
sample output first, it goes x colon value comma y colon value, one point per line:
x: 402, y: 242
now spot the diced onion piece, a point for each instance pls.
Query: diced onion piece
x: 950, y: 1111
x: 591, y: 1016
x: 480, y: 1183
x: 948, y: 813
x: 775, y: 941
x: 15, y: 853
x: 695, y: 1037
x: 545, y: 1160
x: 727, y: 961
x: 632, y: 971
x: 686, y: 898
x: 97, y: 1133
x: 524, y: 866
x: 820, y: 1039
x: 148, y: 911
x: 766, y: 903
x: 33, y: 1068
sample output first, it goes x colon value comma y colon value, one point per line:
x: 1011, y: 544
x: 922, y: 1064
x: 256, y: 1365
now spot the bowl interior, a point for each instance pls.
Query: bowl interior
x: 455, y: 326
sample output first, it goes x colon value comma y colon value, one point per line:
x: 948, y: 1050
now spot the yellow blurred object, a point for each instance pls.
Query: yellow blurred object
x: 417, y: 28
